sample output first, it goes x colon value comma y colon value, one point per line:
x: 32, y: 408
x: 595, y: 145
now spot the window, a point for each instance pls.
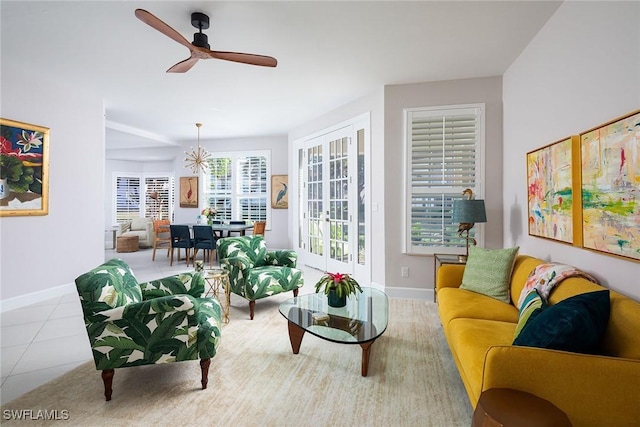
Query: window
x: 236, y: 185
x: 159, y: 197
x: 443, y: 153
x: 127, y: 198
x: 157, y: 202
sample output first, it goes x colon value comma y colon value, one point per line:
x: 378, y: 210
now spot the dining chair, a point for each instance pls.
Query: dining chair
x: 258, y: 228
x: 204, y: 239
x: 240, y: 233
x: 180, y: 238
x: 217, y: 233
x: 162, y: 238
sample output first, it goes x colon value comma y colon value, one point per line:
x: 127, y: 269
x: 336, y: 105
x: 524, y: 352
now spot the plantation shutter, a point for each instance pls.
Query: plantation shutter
x: 252, y: 188
x: 159, y: 197
x: 443, y: 148
x: 218, y: 187
x: 127, y: 198
x: 237, y: 186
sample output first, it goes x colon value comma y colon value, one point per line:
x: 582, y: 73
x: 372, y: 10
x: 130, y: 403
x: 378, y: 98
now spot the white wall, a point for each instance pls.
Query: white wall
x: 581, y: 70
x: 41, y: 253
x: 453, y: 92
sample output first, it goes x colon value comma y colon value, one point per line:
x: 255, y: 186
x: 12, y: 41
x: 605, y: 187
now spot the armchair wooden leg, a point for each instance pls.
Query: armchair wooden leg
x: 204, y: 366
x: 107, y: 378
x: 252, y: 306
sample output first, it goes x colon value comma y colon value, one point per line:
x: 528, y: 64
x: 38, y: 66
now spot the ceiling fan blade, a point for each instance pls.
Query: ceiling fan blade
x: 184, y: 66
x: 245, y: 58
x: 151, y: 20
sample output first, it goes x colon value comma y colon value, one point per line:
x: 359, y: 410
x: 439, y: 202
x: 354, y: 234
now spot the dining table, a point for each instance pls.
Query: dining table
x: 223, y: 228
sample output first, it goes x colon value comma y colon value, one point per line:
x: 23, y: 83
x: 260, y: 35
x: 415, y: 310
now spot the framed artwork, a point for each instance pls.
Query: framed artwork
x: 279, y: 191
x: 610, y: 175
x: 188, y: 191
x: 550, y: 172
x: 24, y: 169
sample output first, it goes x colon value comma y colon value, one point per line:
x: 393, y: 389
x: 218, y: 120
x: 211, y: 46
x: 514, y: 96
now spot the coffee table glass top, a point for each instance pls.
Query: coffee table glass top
x: 363, y: 319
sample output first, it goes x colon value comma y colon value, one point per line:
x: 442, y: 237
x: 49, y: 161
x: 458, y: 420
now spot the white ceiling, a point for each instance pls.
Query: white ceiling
x: 329, y: 53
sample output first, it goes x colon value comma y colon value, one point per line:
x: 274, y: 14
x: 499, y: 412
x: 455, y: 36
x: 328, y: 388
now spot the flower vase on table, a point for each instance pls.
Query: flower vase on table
x: 210, y: 214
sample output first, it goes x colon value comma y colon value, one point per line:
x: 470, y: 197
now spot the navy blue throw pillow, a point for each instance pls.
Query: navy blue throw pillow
x: 575, y: 324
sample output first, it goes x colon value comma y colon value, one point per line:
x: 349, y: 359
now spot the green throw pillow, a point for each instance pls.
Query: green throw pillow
x: 575, y: 324
x: 488, y: 272
x: 531, y: 307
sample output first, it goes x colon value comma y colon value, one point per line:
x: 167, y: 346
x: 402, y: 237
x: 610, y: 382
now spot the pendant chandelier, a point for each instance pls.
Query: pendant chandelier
x: 197, y: 159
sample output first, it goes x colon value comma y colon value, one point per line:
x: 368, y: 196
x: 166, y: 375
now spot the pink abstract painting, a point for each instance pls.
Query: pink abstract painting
x: 550, y: 195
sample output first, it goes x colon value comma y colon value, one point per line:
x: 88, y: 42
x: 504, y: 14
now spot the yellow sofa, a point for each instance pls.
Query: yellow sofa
x: 593, y: 390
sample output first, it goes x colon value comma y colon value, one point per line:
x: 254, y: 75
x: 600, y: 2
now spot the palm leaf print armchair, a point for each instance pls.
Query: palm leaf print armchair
x: 256, y: 273
x: 162, y: 321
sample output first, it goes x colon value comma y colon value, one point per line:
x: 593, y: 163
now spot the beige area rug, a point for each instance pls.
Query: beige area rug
x: 256, y: 380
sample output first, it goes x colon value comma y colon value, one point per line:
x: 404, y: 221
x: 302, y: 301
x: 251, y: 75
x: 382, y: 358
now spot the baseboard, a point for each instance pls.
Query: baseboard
x: 410, y: 293
x: 36, y: 297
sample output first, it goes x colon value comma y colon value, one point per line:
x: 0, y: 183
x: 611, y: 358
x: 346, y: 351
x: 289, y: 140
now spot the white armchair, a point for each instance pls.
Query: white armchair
x: 141, y: 227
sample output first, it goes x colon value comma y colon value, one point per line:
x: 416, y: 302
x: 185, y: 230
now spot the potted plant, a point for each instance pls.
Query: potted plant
x: 337, y: 287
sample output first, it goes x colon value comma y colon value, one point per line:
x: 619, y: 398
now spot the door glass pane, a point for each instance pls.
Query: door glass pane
x: 300, y: 195
x: 314, y: 199
x: 339, y: 207
x: 361, y: 211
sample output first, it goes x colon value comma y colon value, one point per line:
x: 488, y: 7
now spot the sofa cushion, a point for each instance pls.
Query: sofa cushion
x: 575, y: 324
x: 532, y: 305
x: 469, y: 340
x: 455, y: 303
x: 488, y: 272
x: 140, y: 223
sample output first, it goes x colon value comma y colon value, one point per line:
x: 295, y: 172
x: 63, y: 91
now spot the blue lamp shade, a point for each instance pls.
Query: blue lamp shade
x: 468, y: 211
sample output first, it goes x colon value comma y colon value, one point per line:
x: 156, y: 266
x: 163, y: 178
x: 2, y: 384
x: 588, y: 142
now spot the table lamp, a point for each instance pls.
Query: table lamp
x: 467, y: 212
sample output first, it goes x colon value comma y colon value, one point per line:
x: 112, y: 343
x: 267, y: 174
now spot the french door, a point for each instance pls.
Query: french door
x: 331, y: 210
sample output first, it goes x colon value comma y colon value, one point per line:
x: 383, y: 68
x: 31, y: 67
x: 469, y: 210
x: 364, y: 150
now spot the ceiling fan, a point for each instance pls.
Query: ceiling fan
x: 200, y: 47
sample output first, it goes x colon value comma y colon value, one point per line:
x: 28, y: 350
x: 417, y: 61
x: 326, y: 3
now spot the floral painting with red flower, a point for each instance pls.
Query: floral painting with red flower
x: 23, y: 168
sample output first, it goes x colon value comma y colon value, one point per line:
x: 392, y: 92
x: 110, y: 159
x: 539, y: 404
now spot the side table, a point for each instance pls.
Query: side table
x: 503, y: 407
x: 216, y: 279
x: 127, y: 243
x: 438, y: 260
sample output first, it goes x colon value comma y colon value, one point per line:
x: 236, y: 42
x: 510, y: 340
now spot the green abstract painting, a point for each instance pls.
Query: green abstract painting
x: 611, y: 187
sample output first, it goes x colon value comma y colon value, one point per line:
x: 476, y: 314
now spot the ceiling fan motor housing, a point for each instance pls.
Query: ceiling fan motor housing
x: 201, y: 22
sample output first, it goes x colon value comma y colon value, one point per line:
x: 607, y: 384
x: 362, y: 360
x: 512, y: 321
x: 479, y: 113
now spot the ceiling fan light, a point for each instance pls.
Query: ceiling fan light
x: 201, y: 40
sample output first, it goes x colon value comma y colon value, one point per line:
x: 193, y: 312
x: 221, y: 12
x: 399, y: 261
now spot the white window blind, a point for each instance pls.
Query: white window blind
x: 252, y: 188
x: 444, y: 149
x: 237, y: 186
x: 133, y: 196
x: 159, y: 197
x: 127, y: 198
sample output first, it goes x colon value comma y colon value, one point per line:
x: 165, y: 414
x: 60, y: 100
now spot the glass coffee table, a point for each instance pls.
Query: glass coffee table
x: 361, y: 321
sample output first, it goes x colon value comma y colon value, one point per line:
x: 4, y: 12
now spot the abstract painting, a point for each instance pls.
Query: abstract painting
x: 611, y: 187
x: 549, y: 191
x: 24, y: 169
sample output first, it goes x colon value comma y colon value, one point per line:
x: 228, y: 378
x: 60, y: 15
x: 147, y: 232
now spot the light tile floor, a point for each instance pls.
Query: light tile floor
x: 45, y: 340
